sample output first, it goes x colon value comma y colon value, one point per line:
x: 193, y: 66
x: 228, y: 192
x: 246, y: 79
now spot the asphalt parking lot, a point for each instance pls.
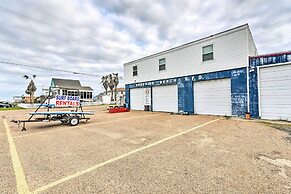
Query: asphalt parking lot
x: 143, y: 152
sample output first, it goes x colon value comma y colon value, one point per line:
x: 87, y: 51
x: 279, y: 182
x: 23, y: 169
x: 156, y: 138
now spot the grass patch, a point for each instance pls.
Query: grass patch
x: 11, y: 108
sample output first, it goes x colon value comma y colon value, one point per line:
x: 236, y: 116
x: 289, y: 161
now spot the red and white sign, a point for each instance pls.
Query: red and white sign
x: 63, y: 101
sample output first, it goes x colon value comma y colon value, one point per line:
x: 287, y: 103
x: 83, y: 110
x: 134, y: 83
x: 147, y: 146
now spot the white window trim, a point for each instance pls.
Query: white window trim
x: 208, y: 52
x: 135, y: 71
x: 163, y: 64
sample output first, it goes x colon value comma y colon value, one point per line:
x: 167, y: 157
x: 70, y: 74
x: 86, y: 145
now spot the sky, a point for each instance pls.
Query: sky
x: 97, y: 37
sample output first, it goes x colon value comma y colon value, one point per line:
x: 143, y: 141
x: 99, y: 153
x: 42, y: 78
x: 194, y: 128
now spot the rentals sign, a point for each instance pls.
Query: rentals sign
x: 62, y: 100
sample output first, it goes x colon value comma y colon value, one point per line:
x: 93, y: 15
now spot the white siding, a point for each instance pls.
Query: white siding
x: 212, y: 97
x: 251, y: 44
x: 275, y: 92
x: 165, y: 98
x: 231, y: 50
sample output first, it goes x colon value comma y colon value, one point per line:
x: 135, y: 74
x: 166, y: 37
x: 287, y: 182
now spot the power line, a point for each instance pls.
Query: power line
x: 47, y: 50
x: 50, y: 69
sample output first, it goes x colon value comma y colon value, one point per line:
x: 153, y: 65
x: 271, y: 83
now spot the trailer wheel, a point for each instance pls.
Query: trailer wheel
x: 74, y: 121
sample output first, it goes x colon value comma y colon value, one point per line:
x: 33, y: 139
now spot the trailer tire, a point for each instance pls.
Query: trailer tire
x: 74, y: 121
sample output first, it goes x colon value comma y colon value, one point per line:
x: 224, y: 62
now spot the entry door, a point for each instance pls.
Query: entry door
x: 212, y: 97
x: 275, y: 92
x: 165, y: 98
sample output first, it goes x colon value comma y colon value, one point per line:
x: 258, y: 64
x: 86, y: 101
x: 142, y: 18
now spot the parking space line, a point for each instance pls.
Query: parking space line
x: 77, y: 174
x: 103, y: 122
x: 22, y: 186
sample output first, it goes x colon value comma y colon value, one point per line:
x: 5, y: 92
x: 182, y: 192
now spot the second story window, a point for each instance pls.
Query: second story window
x: 134, y: 70
x: 162, y: 64
x: 207, y: 52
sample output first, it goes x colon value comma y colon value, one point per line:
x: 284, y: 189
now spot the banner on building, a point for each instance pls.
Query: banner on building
x: 147, y: 96
x: 63, y: 101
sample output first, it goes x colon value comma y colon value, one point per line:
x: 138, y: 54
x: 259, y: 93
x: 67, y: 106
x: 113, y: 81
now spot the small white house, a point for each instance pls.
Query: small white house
x: 104, y: 98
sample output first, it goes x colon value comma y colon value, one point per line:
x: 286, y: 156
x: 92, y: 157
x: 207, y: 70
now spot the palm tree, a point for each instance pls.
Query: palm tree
x: 31, y: 88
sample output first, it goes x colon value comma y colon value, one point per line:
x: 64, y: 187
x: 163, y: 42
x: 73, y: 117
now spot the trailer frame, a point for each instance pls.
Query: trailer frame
x: 72, y: 117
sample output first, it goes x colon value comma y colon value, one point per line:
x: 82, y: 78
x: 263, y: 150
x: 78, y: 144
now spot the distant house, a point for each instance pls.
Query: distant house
x: 72, y: 88
x: 102, y: 98
x: 26, y: 99
x: 18, y: 99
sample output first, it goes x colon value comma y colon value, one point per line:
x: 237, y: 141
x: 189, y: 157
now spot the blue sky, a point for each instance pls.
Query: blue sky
x: 98, y: 37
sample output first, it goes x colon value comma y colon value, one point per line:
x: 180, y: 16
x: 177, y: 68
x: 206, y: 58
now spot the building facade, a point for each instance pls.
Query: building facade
x: 72, y: 88
x: 206, y: 76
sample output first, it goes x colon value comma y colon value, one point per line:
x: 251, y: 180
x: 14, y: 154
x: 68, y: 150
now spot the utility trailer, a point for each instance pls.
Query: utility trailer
x: 72, y: 117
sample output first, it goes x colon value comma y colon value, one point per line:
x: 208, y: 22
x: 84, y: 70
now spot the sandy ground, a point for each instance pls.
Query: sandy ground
x: 132, y: 153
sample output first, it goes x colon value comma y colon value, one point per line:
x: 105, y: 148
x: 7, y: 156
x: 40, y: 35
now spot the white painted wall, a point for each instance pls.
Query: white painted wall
x: 231, y: 50
x: 251, y: 44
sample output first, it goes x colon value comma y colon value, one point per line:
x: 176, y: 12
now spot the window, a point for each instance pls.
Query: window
x: 65, y: 92
x: 82, y: 95
x: 207, y: 52
x: 72, y: 93
x: 134, y: 70
x: 162, y: 64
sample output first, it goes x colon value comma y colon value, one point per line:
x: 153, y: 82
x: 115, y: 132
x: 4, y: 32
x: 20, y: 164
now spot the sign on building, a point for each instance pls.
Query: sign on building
x: 147, y: 96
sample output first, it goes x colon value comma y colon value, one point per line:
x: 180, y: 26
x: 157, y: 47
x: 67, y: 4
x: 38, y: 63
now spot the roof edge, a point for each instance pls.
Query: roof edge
x: 231, y: 30
x: 271, y: 54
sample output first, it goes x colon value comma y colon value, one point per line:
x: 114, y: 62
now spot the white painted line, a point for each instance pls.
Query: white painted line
x: 22, y: 186
x: 71, y: 128
x: 77, y: 174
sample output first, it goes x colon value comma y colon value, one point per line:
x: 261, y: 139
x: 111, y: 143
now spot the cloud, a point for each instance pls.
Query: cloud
x: 97, y: 37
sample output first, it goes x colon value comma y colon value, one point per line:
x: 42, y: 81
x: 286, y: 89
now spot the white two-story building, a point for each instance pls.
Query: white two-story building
x: 206, y: 76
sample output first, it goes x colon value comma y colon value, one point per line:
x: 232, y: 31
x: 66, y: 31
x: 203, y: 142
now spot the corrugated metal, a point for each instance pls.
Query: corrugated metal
x: 137, y: 99
x: 212, y: 97
x: 165, y: 98
x: 275, y: 92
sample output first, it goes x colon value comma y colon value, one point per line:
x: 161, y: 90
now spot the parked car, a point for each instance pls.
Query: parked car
x: 5, y: 105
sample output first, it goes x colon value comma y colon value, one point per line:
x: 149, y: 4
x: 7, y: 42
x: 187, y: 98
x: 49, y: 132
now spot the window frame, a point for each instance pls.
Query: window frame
x: 162, y: 64
x: 134, y: 71
x: 207, y: 53
x: 65, y: 92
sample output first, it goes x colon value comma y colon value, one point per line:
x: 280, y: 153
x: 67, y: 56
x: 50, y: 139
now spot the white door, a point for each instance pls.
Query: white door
x: 137, y: 99
x: 275, y: 92
x: 212, y: 97
x: 165, y: 98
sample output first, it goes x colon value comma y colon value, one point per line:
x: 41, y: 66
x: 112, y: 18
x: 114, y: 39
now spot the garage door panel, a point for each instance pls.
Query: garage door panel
x: 165, y: 98
x: 275, y: 92
x: 283, y: 75
x: 212, y: 97
x: 137, y: 99
x: 283, y: 91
